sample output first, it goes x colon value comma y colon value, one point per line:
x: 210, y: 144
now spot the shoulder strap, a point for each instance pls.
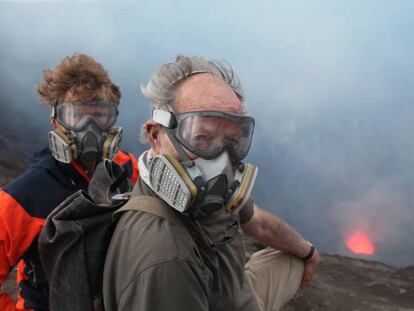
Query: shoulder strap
x: 152, y: 205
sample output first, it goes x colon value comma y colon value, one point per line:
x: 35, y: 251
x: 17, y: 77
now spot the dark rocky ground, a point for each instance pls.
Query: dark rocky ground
x: 344, y: 283
x: 12, y: 161
x: 341, y: 283
x: 10, y: 285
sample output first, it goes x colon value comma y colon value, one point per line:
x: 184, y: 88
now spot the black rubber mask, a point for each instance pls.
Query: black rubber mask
x: 89, y: 143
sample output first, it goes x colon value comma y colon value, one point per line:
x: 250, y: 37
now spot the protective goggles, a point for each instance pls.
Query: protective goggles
x: 209, y: 133
x: 76, y: 116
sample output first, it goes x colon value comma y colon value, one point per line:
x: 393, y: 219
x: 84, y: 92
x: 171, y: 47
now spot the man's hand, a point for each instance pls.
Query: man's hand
x: 310, y: 268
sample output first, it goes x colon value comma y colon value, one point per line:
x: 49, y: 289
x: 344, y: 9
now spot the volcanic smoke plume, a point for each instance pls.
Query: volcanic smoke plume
x: 373, y: 225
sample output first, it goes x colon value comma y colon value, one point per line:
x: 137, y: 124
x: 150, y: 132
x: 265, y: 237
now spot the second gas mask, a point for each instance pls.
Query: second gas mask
x: 90, y: 135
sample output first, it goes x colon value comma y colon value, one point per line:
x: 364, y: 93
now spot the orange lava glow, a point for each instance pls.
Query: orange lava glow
x: 360, y: 243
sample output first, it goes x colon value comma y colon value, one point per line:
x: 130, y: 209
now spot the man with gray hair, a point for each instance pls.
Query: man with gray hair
x: 177, y: 244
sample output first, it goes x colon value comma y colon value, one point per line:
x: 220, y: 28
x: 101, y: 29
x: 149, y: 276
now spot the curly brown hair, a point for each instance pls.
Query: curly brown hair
x: 79, y: 75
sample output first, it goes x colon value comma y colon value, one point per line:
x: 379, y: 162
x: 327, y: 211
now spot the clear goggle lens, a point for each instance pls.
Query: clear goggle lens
x: 207, y: 134
x: 76, y: 116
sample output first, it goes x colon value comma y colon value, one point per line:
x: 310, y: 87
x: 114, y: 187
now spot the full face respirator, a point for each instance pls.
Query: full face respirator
x: 90, y: 136
x: 217, y: 178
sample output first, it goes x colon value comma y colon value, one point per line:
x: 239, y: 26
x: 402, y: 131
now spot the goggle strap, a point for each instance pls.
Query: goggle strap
x: 53, y: 114
x: 165, y: 118
x: 177, y: 146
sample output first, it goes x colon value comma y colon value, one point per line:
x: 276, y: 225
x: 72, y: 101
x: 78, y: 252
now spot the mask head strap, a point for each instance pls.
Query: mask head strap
x: 167, y: 120
x: 53, y: 113
x: 183, y: 155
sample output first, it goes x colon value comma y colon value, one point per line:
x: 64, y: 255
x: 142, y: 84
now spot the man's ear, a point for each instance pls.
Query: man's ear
x: 53, y: 122
x: 153, y: 133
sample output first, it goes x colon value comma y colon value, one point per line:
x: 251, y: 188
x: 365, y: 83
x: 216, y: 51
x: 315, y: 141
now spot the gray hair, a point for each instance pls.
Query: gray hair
x: 161, y: 89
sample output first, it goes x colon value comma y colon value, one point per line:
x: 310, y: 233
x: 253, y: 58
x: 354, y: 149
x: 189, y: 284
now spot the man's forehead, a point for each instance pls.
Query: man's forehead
x: 204, y: 92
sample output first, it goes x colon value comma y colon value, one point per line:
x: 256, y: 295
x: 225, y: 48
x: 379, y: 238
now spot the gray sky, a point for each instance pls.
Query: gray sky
x: 329, y: 83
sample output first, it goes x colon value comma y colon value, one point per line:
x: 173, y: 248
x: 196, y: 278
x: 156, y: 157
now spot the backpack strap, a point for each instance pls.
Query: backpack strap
x: 152, y: 205
x: 155, y: 206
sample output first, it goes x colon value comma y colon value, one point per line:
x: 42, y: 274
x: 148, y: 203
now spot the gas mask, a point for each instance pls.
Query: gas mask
x: 90, y: 136
x: 217, y: 178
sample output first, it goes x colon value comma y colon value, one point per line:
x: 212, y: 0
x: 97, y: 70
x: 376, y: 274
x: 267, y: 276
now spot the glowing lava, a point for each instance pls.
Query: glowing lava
x: 360, y: 243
